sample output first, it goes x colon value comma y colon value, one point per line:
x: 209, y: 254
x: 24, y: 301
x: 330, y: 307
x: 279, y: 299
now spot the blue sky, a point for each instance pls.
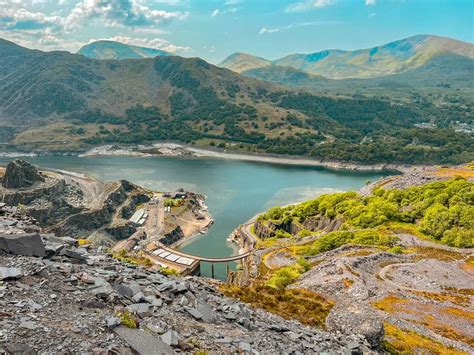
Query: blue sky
x: 214, y: 29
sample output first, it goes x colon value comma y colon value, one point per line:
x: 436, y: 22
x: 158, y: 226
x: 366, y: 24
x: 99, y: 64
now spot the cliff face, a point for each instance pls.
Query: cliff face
x: 266, y: 229
x: 21, y: 174
x: 174, y: 235
x: 71, y: 204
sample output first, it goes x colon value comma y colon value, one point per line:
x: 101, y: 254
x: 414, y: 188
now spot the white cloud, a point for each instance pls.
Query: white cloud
x: 18, y: 18
x: 268, y: 30
x: 120, y: 12
x: 298, y: 24
x: 218, y: 12
x: 370, y: 2
x: 309, y: 4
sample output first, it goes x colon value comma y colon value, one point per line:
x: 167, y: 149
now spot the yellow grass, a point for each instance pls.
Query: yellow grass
x: 399, y: 341
x: 465, y: 172
x: 308, y: 307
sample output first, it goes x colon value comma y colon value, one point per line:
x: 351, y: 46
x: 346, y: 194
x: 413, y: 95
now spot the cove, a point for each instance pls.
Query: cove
x: 235, y: 190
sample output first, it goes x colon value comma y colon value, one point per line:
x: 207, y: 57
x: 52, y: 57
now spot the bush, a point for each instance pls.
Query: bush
x: 288, y: 274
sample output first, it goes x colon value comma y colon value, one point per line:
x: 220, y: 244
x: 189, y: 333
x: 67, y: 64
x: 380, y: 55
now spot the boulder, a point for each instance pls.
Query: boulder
x: 28, y: 244
x: 9, y: 273
x: 143, y: 342
x: 357, y: 318
x: 20, y: 174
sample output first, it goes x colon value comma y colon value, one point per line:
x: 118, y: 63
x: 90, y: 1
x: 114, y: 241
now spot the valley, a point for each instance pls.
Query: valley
x: 190, y: 101
x: 236, y: 177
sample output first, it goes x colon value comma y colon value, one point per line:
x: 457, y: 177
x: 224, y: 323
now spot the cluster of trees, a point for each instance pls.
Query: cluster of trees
x: 361, y: 130
x: 442, y: 210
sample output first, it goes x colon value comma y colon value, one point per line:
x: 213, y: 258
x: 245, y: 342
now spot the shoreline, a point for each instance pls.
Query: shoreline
x: 186, y: 151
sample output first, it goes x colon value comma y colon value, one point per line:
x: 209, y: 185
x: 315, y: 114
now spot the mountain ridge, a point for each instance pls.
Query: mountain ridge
x: 107, y: 49
x: 391, y: 58
x: 58, y: 101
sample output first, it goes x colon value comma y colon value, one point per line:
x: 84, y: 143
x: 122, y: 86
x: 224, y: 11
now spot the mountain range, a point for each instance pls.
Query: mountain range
x: 62, y: 101
x: 392, y: 58
x: 118, y: 50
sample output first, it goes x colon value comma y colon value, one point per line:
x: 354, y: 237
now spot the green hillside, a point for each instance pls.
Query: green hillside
x: 61, y: 101
x: 442, y: 76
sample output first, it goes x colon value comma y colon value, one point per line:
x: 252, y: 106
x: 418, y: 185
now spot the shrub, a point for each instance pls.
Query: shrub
x: 127, y: 319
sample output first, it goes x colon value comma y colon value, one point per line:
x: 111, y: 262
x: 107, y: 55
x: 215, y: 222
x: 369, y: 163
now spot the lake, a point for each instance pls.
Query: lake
x: 235, y: 190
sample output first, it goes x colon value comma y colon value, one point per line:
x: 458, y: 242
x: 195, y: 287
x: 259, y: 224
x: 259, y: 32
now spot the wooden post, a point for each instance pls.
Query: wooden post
x: 212, y: 270
x: 227, y: 269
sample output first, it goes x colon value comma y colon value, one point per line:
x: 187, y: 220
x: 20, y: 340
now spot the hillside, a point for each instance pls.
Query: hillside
x: 62, y: 102
x: 442, y: 75
x: 117, y: 50
x: 392, y: 58
x: 240, y: 62
x: 382, y: 255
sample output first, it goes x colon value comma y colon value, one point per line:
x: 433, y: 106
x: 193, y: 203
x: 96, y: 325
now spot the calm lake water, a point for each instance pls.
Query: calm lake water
x: 235, y: 190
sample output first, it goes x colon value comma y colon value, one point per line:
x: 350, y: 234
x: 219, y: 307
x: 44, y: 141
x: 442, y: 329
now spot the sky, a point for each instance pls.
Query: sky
x: 214, y: 29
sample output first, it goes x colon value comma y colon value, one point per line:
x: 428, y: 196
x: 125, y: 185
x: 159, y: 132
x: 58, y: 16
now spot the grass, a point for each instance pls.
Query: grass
x: 460, y: 300
x: 390, y: 304
x: 306, y: 306
x: 433, y: 253
x: 400, y: 341
x: 445, y: 330
x: 466, y: 172
x: 431, y: 317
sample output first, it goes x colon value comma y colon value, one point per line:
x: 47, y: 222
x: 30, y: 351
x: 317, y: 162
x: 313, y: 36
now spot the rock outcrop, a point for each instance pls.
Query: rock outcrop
x: 21, y: 174
x: 22, y: 244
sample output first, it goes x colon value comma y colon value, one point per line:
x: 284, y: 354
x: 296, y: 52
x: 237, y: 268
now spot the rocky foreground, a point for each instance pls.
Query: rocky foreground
x: 58, y: 297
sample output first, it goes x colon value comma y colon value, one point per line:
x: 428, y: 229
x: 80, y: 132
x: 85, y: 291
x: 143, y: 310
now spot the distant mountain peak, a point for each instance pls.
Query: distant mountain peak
x: 107, y: 49
x: 240, y: 62
x: 390, y: 58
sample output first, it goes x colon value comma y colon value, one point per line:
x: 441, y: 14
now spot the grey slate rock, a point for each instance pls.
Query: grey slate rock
x: 139, y: 308
x: 206, y: 311
x: 28, y: 244
x: 10, y: 273
x: 143, y: 342
x: 17, y: 348
x: 124, y: 291
x: 112, y: 322
x: 194, y: 312
x: 170, y: 338
x: 19, y: 174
